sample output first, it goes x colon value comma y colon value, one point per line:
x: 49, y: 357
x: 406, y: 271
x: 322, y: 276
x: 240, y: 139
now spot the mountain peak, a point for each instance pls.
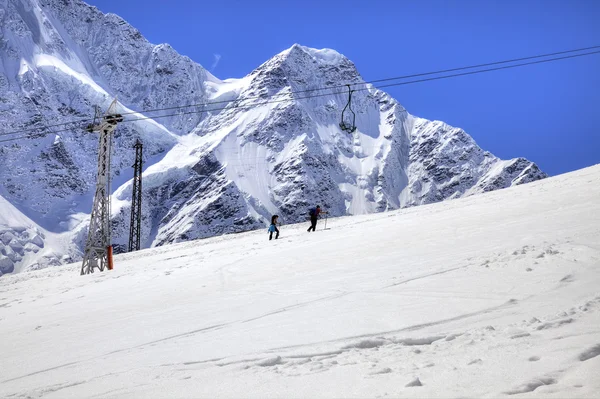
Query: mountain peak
x: 325, y: 55
x: 302, y: 68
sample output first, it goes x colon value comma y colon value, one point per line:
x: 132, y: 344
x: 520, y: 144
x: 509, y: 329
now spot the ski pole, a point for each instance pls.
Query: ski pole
x: 325, y: 222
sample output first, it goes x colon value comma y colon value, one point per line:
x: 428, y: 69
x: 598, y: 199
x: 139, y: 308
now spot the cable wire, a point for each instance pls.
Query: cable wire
x: 323, y: 88
x: 250, y: 106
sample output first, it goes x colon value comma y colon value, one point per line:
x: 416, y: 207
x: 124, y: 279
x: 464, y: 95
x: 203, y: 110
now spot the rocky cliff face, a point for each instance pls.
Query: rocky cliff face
x: 267, y: 143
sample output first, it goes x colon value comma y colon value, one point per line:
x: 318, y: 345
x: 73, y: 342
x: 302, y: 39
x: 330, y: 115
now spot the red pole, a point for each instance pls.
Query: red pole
x: 109, y: 250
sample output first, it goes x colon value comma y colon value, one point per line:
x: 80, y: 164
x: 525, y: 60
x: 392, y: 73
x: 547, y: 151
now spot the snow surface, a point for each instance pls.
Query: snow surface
x: 491, y: 295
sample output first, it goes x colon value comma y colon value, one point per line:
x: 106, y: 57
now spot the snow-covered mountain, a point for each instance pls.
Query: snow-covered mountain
x: 263, y: 145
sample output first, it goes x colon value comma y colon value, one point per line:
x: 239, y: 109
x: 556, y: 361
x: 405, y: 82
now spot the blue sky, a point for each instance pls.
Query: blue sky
x: 548, y: 113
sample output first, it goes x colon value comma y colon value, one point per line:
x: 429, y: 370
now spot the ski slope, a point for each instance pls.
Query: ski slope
x: 493, y: 295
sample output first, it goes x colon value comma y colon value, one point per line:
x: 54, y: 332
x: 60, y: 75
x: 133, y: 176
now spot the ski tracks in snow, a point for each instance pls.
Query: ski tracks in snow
x: 384, y: 355
x: 429, y: 358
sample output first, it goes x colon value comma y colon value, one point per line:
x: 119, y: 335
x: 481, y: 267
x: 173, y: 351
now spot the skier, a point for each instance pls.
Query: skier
x: 314, y: 214
x: 273, y: 227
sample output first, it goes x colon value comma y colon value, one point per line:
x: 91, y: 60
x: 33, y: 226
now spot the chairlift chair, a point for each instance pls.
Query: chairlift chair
x: 350, y: 128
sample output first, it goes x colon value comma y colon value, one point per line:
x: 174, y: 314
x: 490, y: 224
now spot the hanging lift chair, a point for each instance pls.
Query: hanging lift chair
x: 347, y: 127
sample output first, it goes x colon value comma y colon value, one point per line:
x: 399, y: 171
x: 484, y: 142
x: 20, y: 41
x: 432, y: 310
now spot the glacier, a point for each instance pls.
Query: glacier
x: 220, y: 156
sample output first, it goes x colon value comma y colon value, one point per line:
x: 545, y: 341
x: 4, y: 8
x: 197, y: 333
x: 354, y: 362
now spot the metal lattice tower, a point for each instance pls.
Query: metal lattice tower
x: 98, y: 250
x: 136, y: 200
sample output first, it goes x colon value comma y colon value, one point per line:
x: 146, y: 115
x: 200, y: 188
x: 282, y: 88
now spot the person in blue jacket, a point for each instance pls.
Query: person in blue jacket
x: 273, y: 227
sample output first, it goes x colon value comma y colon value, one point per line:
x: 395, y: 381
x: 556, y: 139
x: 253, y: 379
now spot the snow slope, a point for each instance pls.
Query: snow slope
x: 491, y: 295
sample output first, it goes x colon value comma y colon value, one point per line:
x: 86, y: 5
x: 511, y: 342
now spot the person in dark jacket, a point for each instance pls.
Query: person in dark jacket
x: 273, y: 227
x: 314, y: 215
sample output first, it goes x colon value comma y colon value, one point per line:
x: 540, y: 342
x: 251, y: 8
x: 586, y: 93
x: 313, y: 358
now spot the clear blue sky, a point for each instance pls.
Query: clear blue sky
x: 548, y: 113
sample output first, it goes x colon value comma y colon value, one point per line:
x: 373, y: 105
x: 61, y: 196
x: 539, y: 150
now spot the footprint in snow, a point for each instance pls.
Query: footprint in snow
x: 270, y: 362
x: 386, y: 370
x: 532, y: 385
x: 554, y: 324
x: 520, y: 335
x: 414, y: 383
x: 590, y: 353
x: 567, y: 279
